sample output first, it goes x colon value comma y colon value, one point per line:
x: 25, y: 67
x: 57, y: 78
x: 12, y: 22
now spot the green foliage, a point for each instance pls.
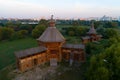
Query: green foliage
x: 6, y: 33
x: 14, y: 25
x: 107, y: 32
x: 110, y: 32
x: 107, y: 63
x: 103, y: 74
x: 69, y: 30
x: 97, y: 24
x: 81, y: 31
x: 76, y: 31
x: 43, y: 22
x: 19, y: 35
x: 94, y: 48
x: 75, y: 23
x: 38, y: 31
x: 101, y: 30
x: 114, y: 40
x: 111, y: 24
x: 28, y: 27
x: 22, y: 33
x: 9, y: 24
x: 71, y: 33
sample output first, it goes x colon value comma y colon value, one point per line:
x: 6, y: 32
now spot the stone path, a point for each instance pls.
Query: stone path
x: 37, y: 74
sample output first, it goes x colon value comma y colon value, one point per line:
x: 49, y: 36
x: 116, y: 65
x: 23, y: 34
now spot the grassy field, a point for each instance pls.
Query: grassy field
x: 7, y: 49
x: 7, y: 57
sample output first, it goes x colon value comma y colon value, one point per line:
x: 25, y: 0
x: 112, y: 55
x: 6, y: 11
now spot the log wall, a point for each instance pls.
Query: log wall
x: 31, y: 61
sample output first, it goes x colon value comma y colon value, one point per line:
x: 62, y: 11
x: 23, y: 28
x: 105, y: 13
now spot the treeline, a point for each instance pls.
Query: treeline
x: 9, y: 34
x: 104, y: 28
x: 15, y: 30
x: 83, y: 22
x: 104, y: 63
x: 12, y: 31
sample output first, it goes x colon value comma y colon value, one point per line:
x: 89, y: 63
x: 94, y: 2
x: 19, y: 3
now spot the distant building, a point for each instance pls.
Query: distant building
x: 106, y: 18
x: 119, y: 19
x: 52, y: 48
x: 29, y: 22
x: 91, y: 35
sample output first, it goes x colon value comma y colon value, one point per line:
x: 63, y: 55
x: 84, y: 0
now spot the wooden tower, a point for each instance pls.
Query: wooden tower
x: 92, y: 31
x: 53, y: 40
x: 93, y: 34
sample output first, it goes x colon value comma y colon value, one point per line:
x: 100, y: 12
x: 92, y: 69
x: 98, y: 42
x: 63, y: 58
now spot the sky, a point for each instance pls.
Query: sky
x: 59, y: 8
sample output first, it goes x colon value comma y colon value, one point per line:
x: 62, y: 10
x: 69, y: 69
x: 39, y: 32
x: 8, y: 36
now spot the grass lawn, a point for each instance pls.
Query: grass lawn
x: 7, y: 49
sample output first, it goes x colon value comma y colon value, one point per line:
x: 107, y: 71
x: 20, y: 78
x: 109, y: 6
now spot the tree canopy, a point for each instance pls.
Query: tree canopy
x: 105, y: 66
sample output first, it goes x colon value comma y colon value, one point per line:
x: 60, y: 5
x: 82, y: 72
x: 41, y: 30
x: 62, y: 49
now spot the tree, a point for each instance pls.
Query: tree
x: 97, y: 24
x: 71, y: 31
x: 94, y: 48
x: 111, y: 24
x: 6, y: 33
x: 28, y: 27
x: 43, y: 22
x: 110, y: 32
x: 101, y: 30
x: 13, y: 25
x: 81, y: 31
x: 38, y: 30
x: 103, y: 73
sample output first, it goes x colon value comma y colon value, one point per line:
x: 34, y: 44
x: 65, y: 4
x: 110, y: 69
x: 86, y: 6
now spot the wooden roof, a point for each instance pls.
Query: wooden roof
x: 51, y: 34
x: 74, y: 46
x: 29, y: 52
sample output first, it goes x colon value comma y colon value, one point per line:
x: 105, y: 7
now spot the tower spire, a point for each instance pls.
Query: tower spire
x: 51, y: 17
x: 52, y: 22
x: 92, y: 26
x: 92, y: 29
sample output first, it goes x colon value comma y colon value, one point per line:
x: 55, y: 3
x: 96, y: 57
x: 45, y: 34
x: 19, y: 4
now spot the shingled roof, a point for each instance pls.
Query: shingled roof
x: 92, y: 29
x: 51, y: 34
x: 74, y: 46
x: 29, y: 52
